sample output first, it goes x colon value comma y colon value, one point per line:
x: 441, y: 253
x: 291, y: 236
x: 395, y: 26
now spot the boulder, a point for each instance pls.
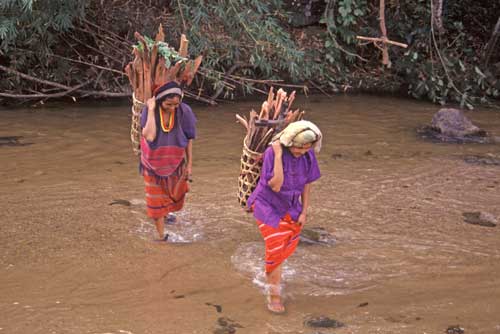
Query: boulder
x: 452, y: 126
x: 453, y: 123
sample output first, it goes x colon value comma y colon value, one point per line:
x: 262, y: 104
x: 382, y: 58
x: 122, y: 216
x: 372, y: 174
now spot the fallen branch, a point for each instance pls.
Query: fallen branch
x: 38, y: 96
x: 31, y: 78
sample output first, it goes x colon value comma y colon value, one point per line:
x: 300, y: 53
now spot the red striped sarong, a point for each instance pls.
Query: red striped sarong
x: 165, y: 195
x: 280, y: 242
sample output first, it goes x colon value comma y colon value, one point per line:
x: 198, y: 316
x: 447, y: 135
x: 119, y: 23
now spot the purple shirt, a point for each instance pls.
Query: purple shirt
x: 270, y: 206
x: 183, y: 130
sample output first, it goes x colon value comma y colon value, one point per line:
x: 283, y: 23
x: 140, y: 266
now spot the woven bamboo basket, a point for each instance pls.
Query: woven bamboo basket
x: 251, y: 165
x: 135, y: 128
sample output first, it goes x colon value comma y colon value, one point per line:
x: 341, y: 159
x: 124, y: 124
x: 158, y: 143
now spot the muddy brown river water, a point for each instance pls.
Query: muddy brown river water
x: 404, y: 261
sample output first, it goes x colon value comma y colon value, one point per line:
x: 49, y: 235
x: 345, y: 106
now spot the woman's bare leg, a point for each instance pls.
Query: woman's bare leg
x: 160, y: 227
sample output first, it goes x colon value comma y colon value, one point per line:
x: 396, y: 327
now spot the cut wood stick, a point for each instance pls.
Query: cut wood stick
x: 194, y: 69
x: 159, y: 72
x: 145, y: 48
x: 252, y: 128
x: 130, y: 74
x: 183, y: 47
x: 242, y: 121
x: 153, y: 65
x: 291, y: 98
x: 280, y: 97
x: 172, y: 72
x: 139, y: 72
x: 263, y: 140
x: 301, y: 115
x: 270, y: 98
x: 147, y: 80
x: 160, y: 36
x: 264, y: 114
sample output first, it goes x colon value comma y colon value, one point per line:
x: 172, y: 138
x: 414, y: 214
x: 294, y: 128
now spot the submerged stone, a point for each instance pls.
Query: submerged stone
x: 455, y: 330
x: 488, y: 160
x: 12, y: 141
x: 323, y: 322
x: 480, y: 218
x: 123, y: 202
x: 226, y: 326
x: 316, y: 235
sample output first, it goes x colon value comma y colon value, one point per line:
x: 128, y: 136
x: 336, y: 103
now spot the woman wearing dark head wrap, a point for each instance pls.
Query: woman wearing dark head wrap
x: 168, y: 130
x: 281, y: 198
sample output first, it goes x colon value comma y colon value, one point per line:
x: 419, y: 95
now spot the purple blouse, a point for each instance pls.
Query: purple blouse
x: 183, y: 130
x: 270, y: 206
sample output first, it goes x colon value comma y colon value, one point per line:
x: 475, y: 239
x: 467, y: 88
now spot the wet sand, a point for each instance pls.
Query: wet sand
x: 72, y: 263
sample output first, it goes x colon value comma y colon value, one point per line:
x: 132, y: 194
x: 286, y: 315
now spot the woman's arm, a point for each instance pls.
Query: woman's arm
x: 189, y: 158
x: 305, y: 204
x: 277, y: 180
x: 149, y: 130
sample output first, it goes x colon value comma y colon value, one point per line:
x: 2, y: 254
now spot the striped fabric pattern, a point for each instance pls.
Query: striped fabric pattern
x: 280, y: 242
x: 162, y: 161
x: 164, y: 195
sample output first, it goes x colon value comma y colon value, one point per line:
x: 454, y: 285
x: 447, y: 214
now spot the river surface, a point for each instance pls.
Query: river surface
x: 71, y: 261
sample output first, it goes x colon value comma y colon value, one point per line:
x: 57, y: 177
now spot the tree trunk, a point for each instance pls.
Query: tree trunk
x: 385, y: 50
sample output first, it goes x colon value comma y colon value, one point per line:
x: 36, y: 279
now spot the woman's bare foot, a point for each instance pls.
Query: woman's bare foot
x: 274, y: 304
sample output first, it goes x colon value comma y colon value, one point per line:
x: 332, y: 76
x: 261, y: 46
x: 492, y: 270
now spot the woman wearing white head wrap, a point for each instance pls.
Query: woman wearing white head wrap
x: 281, y: 198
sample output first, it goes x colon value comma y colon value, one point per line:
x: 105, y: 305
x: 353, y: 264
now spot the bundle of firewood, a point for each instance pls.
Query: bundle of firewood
x: 155, y: 64
x: 274, y: 116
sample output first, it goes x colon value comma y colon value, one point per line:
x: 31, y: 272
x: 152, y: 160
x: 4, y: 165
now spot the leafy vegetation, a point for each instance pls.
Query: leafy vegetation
x: 248, y: 45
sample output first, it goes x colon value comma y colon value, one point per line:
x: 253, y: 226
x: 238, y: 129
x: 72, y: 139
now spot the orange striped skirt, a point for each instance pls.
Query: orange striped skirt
x: 164, y: 195
x: 280, y: 242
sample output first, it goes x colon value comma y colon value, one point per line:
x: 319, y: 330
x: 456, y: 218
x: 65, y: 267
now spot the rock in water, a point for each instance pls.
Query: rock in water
x: 453, y: 123
x: 451, y: 126
x: 323, y: 322
x: 488, y: 160
x: 123, y: 202
x: 316, y: 235
x: 455, y: 330
x: 480, y: 218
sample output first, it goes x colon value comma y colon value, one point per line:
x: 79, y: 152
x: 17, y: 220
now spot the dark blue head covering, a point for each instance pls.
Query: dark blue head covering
x: 168, y: 90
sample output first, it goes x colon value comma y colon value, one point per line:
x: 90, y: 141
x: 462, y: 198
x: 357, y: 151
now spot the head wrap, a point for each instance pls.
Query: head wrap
x: 168, y: 90
x: 299, y: 134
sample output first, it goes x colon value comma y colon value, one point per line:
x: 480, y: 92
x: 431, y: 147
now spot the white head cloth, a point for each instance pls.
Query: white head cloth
x: 299, y: 134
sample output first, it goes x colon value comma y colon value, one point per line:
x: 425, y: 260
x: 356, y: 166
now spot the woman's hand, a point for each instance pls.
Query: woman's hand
x: 302, y: 219
x: 189, y: 172
x: 151, y: 103
x: 278, y: 150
